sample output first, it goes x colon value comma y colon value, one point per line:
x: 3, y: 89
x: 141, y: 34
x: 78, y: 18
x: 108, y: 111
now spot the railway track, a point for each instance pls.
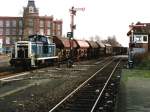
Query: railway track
x: 25, y: 88
x: 96, y: 94
x: 9, y: 72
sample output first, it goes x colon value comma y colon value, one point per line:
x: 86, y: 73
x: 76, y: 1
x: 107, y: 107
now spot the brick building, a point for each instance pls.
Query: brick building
x: 18, y: 28
x: 139, y: 37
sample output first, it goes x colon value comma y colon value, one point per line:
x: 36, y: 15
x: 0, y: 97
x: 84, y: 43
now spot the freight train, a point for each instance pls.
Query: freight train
x: 42, y: 50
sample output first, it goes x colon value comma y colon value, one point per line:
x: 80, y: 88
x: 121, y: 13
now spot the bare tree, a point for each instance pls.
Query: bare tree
x: 91, y: 38
x: 97, y: 38
x: 112, y: 40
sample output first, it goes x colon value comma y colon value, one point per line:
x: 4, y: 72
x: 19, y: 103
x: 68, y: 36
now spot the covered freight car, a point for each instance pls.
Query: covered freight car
x: 93, y: 49
x: 108, y: 49
x: 101, y: 50
x: 66, y: 48
x: 82, y: 51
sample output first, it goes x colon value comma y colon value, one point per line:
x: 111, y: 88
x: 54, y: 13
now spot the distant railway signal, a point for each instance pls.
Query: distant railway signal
x: 70, y: 34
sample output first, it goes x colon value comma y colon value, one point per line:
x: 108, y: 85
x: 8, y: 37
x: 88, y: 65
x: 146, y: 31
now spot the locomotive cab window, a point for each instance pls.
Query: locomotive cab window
x: 22, y: 51
x: 45, y: 49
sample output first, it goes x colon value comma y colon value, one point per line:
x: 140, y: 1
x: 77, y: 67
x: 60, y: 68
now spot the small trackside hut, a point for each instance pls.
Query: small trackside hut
x: 139, y: 42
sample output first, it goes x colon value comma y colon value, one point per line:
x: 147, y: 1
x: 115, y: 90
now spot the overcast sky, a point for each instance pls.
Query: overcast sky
x: 101, y: 17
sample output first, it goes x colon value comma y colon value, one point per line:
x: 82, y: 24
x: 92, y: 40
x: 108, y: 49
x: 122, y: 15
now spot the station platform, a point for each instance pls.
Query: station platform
x: 134, y: 91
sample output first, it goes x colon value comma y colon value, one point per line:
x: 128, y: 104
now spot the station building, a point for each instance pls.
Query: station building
x: 18, y: 28
x: 139, y: 37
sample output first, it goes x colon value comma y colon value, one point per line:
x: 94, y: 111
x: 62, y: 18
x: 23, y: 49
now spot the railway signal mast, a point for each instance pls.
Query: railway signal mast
x: 72, y: 25
x: 70, y: 35
x: 72, y: 28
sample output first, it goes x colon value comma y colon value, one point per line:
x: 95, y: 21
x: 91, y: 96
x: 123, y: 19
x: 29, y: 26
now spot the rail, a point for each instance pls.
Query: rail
x: 79, y: 87
x: 100, y: 95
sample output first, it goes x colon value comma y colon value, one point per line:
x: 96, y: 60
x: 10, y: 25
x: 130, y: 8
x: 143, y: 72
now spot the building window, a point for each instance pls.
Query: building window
x: 7, y: 41
x: 49, y: 24
x: 42, y: 31
x: 58, y: 33
x: 7, y: 31
x: 13, y: 31
x: 31, y: 31
x: 1, y: 23
x: 145, y: 38
x: 14, y: 23
x: 137, y: 38
x: 140, y: 38
x: 31, y: 23
x: 48, y: 31
x: 31, y: 9
x: 54, y: 33
x: 41, y: 23
x: 1, y: 31
x: 20, y: 31
x: 7, y: 23
x: 58, y: 27
x: 13, y: 40
x: 20, y: 23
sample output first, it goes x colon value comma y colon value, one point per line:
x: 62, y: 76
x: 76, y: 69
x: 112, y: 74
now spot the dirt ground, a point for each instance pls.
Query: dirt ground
x: 134, y: 92
x: 4, y: 60
x: 40, y: 90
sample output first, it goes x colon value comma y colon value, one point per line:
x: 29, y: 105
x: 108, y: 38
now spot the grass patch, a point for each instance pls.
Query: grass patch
x: 127, y: 73
x: 144, y: 63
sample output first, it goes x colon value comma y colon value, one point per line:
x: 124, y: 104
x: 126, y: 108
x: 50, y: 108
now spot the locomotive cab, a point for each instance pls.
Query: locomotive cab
x: 21, y: 54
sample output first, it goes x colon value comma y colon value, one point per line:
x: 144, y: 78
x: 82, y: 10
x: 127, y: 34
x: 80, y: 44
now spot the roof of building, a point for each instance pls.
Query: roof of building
x: 139, y: 28
x: 31, y: 3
